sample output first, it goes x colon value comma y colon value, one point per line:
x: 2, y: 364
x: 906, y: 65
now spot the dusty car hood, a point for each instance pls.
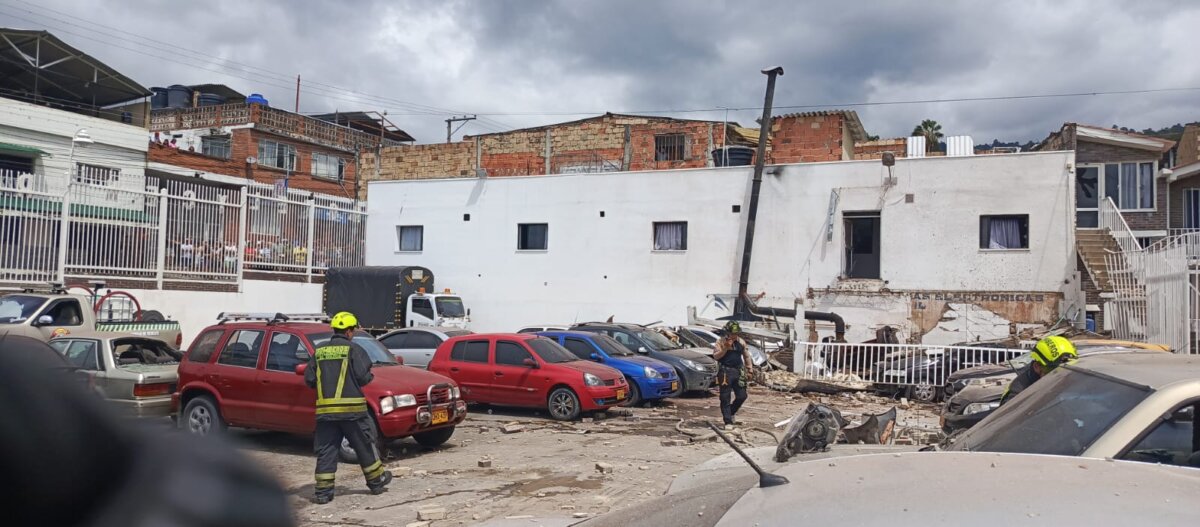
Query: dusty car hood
x: 731, y: 464
x: 599, y: 370
x: 402, y: 379
x: 976, y: 393
x: 974, y: 372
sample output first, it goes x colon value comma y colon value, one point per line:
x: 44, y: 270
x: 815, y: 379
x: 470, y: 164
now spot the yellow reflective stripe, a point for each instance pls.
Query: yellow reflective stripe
x: 341, y: 400
x: 326, y: 476
x: 373, y: 471
x: 332, y: 352
x: 341, y: 381
x: 320, y: 385
x: 342, y: 409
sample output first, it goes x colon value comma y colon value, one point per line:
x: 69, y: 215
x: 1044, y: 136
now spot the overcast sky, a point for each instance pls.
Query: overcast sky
x: 534, y: 62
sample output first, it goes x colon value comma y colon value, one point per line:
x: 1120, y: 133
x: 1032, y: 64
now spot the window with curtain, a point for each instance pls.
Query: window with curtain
x: 278, y: 155
x: 1004, y: 232
x: 1130, y: 185
x: 532, y: 236
x: 327, y: 166
x: 410, y: 238
x: 670, y: 235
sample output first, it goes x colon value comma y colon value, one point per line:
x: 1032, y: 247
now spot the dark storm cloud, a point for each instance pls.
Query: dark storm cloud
x: 525, y: 56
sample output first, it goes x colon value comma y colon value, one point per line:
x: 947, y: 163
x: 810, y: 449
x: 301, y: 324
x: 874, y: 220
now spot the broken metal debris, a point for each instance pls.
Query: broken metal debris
x: 874, y: 430
x: 812, y: 430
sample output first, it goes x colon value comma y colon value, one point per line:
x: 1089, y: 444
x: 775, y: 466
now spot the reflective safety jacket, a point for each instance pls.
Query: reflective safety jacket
x: 1025, y: 378
x: 338, y: 371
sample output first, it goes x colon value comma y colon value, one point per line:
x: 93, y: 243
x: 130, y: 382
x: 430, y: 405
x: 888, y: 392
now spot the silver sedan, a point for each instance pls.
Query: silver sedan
x: 415, y: 346
x: 137, y: 374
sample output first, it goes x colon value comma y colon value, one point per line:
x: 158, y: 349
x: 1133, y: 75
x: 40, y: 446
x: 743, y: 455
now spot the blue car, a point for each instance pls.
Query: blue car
x: 649, y: 379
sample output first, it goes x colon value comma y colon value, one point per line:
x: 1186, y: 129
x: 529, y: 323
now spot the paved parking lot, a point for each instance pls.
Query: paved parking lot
x: 547, y: 469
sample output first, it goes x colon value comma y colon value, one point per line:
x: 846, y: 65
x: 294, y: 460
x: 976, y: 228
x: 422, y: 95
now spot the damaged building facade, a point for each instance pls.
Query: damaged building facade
x: 943, y: 249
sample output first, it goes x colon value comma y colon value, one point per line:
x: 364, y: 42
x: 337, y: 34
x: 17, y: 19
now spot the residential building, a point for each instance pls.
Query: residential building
x: 946, y: 249
x: 811, y: 137
x: 1183, y: 201
x: 1119, y: 187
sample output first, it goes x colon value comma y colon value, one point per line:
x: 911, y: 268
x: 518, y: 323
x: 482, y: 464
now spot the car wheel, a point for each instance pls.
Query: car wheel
x: 924, y: 391
x: 201, y: 417
x: 348, y: 455
x: 434, y: 438
x: 563, y: 404
x: 635, y: 394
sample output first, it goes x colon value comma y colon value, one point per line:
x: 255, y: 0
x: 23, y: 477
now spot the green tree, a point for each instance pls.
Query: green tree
x: 931, y: 131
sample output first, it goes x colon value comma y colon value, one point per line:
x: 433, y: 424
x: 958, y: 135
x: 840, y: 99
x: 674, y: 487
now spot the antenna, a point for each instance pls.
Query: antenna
x: 765, y: 479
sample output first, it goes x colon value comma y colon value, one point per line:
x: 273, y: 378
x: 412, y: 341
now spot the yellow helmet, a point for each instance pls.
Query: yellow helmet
x: 1054, y: 351
x: 344, y: 320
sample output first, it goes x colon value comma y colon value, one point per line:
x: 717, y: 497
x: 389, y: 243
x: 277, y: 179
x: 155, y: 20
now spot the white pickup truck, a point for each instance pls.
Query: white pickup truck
x: 56, y: 314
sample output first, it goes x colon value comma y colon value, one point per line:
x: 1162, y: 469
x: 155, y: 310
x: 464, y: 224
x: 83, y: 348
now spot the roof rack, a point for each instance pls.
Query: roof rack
x: 272, y: 318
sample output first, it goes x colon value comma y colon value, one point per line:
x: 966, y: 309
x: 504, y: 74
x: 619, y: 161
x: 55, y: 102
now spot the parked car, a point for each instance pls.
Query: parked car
x: 1131, y: 406
x: 706, y: 338
x: 415, y: 346
x: 649, y: 379
x: 977, y: 392
x: 520, y: 369
x: 248, y: 372
x: 56, y: 313
x: 539, y: 329
x: 137, y: 374
x: 920, y: 374
x: 696, y: 370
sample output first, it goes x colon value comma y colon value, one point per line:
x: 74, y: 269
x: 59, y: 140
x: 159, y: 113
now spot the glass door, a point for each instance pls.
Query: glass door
x: 1087, y: 197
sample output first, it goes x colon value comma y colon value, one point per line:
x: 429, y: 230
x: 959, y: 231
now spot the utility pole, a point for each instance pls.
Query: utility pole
x: 463, y: 119
x: 741, y: 310
x: 297, y: 94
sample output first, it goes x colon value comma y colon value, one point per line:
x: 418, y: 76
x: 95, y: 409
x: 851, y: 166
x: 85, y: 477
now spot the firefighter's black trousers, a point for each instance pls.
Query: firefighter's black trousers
x: 360, y: 433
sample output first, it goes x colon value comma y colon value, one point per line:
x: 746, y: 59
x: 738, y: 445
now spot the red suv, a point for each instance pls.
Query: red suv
x: 528, y: 370
x: 250, y: 374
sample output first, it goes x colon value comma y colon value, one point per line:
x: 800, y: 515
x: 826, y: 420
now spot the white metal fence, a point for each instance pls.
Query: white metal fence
x: 893, y: 364
x: 171, y: 231
x: 1154, y: 297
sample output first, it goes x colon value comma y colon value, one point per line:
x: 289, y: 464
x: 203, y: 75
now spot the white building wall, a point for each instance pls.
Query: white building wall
x: 117, y: 145
x: 196, y: 310
x: 598, y: 267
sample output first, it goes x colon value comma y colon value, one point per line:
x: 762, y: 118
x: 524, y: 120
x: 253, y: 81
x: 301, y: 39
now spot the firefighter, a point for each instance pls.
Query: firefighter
x: 1050, y: 353
x: 338, y: 370
x: 736, y: 368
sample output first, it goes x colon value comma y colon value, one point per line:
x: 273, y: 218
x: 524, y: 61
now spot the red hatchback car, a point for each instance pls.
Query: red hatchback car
x: 528, y: 370
x: 249, y: 374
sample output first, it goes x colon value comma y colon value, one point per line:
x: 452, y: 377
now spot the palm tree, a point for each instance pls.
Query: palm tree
x: 931, y: 131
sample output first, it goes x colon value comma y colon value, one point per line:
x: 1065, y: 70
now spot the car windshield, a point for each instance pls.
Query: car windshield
x: 550, y: 351
x: 451, y: 306
x: 611, y: 346
x: 15, y: 309
x: 379, y: 354
x: 1060, y: 415
x: 656, y: 340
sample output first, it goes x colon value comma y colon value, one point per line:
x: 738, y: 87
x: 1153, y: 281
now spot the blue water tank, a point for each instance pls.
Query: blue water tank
x: 159, y: 99
x: 211, y: 99
x: 1091, y: 323
x: 257, y: 98
x: 179, y: 96
x: 733, y: 156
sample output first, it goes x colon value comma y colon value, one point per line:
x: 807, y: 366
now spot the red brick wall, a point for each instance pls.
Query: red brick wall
x: 807, y: 138
x: 244, y: 144
x: 1189, y: 146
x: 875, y: 149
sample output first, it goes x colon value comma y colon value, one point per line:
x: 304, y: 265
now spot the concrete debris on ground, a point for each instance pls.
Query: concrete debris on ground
x: 430, y: 514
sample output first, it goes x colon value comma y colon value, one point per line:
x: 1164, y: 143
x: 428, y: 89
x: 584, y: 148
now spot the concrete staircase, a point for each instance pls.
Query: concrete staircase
x: 1093, y: 245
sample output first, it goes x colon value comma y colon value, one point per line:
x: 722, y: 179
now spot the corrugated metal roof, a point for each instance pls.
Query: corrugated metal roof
x: 37, y: 61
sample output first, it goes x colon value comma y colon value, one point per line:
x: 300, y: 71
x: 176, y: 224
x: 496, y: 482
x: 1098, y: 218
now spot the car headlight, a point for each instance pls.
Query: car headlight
x: 692, y: 364
x: 975, y: 408
x: 652, y: 373
x: 389, y: 404
x: 455, y: 393
x: 592, y: 380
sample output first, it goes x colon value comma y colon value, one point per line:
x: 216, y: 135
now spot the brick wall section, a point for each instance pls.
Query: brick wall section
x: 1175, y: 200
x: 1189, y: 146
x: 875, y: 149
x: 244, y: 144
x: 1089, y: 152
x: 442, y: 160
x: 807, y: 138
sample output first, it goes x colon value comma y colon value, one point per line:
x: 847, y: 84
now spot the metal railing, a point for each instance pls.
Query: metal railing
x: 892, y: 364
x: 271, y: 119
x: 1112, y: 220
x: 1189, y: 239
x: 171, y: 231
x: 1155, y: 298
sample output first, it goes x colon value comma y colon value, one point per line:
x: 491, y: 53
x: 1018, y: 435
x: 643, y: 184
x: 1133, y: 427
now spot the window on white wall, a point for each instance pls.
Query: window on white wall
x: 670, y: 235
x: 1004, y: 231
x: 410, y: 238
x: 533, y: 236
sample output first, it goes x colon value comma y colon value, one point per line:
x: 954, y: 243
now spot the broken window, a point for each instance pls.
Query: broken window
x: 862, y: 244
x: 1172, y: 442
x: 1004, y: 231
x: 670, y: 147
x: 670, y: 235
x: 532, y: 236
x: 215, y: 146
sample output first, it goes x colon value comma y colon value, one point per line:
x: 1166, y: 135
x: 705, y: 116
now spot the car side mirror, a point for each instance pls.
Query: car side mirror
x: 300, y: 368
x: 530, y: 363
x: 44, y: 320
x: 642, y: 349
x: 596, y: 357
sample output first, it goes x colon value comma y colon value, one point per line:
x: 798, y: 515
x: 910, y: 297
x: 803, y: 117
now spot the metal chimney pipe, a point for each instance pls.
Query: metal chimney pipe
x: 759, y: 160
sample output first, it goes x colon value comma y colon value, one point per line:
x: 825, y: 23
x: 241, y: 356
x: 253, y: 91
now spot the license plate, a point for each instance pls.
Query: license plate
x: 620, y: 394
x: 440, y: 415
x: 674, y: 386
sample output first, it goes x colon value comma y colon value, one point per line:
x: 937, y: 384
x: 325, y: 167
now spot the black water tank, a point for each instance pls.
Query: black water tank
x: 179, y: 96
x: 211, y: 99
x: 159, y: 99
x: 733, y: 156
